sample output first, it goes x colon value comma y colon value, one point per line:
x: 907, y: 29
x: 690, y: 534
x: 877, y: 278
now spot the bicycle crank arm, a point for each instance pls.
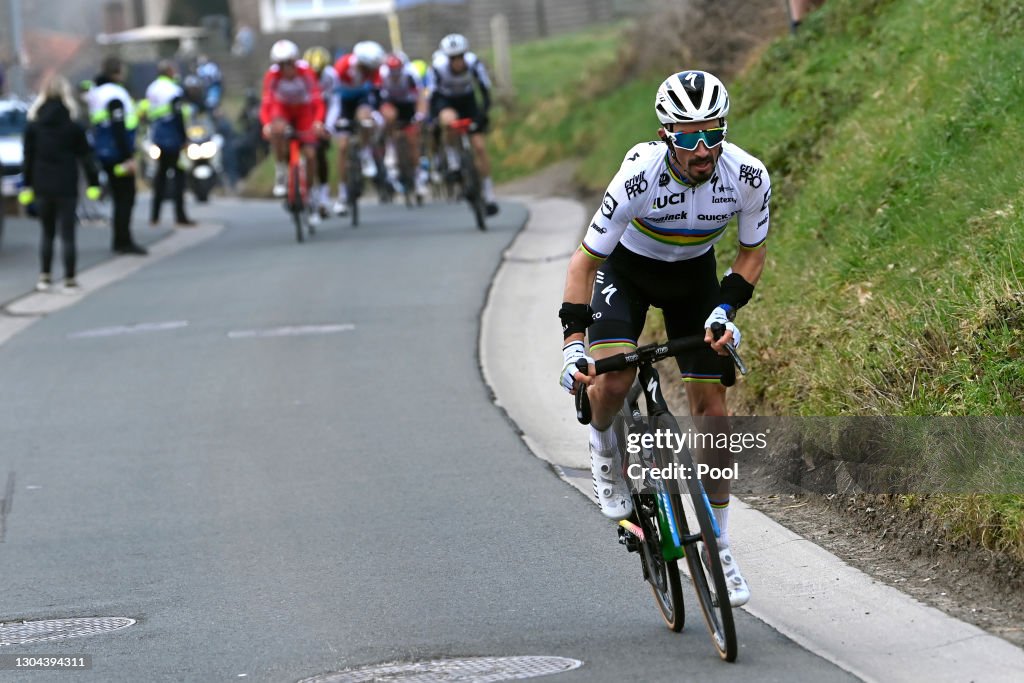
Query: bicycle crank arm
x: 633, y: 529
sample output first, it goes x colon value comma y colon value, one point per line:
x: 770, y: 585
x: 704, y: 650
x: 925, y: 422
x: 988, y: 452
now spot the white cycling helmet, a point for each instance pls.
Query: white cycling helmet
x: 369, y: 54
x: 691, y: 96
x: 454, y: 44
x: 284, y: 51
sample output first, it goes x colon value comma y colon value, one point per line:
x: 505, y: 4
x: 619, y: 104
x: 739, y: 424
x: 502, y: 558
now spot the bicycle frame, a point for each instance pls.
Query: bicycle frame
x: 673, y: 541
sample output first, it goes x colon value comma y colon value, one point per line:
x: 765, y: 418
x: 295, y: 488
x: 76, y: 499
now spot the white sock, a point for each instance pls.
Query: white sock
x: 342, y: 192
x: 488, y: 189
x: 282, y: 168
x: 722, y: 518
x: 325, y: 194
x: 453, y: 157
x: 603, y: 441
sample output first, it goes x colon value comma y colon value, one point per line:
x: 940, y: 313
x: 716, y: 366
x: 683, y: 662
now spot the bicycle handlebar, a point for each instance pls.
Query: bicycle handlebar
x: 646, y: 355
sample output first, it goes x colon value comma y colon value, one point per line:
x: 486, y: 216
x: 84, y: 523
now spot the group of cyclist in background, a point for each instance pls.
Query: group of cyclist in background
x: 375, y: 97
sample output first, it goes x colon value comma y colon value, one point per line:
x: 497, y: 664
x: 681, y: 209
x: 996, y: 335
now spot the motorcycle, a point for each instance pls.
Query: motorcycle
x: 204, y: 157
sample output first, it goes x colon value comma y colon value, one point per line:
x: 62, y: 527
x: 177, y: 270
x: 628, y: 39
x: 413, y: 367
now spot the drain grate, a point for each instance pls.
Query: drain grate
x: 469, y: 670
x: 58, y: 629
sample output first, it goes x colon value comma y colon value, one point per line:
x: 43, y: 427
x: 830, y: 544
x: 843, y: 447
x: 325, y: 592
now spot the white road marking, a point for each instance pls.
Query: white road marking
x: 118, y: 330
x: 31, y: 307
x: 291, y: 331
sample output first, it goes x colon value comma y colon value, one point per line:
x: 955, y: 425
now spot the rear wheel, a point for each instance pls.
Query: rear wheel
x: 662, y: 574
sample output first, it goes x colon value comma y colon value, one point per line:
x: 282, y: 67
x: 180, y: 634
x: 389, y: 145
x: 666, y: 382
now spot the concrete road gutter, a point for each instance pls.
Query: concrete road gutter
x: 834, y: 610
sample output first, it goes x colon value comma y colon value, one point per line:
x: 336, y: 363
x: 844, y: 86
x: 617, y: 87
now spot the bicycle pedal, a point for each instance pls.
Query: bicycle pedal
x: 627, y: 539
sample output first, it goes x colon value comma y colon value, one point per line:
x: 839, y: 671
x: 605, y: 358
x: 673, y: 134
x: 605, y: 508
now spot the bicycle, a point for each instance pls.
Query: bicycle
x: 469, y: 175
x: 354, y: 177
x: 406, y: 166
x: 297, y: 199
x: 660, y: 527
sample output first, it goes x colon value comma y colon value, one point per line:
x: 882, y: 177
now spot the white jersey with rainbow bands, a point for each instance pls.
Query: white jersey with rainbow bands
x: 654, y: 213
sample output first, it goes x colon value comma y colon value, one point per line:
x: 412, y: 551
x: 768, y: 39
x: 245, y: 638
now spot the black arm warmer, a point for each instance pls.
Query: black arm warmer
x: 575, y: 318
x: 736, y: 291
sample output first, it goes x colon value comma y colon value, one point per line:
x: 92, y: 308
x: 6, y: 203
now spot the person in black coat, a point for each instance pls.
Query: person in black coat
x: 55, y: 145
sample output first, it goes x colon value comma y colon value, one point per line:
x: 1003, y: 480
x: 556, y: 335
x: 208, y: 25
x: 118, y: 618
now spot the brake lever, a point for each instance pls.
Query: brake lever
x: 583, y: 413
x: 717, y: 330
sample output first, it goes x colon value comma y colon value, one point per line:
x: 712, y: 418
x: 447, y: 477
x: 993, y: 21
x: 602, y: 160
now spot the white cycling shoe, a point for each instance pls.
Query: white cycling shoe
x: 612, y: 492
x: 340, y: 208
x: 739, y: 591
x: 280, y: 189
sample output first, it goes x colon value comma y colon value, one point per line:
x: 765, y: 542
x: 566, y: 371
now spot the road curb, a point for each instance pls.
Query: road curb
x: 832, y: 609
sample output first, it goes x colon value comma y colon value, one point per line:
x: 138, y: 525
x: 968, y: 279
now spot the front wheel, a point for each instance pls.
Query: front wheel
x: 472, y: 188
x: 694, y: 517
x: 296, y: 205
x: 354, y: 183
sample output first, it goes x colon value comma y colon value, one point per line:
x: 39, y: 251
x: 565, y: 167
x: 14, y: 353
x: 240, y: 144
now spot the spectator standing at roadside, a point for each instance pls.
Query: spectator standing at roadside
x: 55, y: 144
x: 114, y: 121
x: 167, y: 113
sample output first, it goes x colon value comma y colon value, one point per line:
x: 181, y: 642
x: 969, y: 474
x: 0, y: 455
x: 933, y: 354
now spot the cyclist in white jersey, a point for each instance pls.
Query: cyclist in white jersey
x: 452, y: 81
x: 404, y: 107
x: 651, y: 242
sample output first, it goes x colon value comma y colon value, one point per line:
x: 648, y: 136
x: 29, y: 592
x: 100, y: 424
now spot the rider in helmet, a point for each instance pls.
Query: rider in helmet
x: 404, y: 106
x: 319, y: 59
x: 291, y: 99
x: 651, y: 242
x: 453, y: 79
x: 353, y: 104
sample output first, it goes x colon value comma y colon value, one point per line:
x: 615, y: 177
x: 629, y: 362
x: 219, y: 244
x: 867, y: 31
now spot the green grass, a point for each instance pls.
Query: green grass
x: 897, y: 254
x: 567, y: 99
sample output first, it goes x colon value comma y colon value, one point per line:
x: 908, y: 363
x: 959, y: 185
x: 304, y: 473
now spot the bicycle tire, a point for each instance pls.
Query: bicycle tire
x: 295, y: 201
x: 354, y: 184
x: 471, y: 187
x: 712, y: 595
x: 406, y: 172
x: 663, y: 577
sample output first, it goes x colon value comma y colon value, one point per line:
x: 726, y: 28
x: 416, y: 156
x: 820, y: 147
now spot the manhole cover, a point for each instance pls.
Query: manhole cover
x: 471, y: 670
x: 58, y: 629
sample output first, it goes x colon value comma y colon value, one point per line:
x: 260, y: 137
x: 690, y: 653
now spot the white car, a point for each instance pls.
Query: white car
x: 13, y: 117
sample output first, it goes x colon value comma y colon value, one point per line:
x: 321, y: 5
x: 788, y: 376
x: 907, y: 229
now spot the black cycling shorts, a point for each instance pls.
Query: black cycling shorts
x: 628, y: 284
x: 405, y: 112
x: 349, y: 105
x: 465, y: 106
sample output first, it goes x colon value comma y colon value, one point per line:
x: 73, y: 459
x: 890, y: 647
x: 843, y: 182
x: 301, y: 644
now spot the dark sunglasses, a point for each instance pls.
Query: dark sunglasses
x: 712, y: 137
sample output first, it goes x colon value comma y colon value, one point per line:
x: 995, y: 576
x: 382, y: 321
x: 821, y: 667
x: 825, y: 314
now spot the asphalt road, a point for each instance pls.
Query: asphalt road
x: 278, y: 501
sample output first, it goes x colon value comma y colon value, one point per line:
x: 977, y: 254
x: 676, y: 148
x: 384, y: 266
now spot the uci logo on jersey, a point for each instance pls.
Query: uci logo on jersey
x: 662, y: 202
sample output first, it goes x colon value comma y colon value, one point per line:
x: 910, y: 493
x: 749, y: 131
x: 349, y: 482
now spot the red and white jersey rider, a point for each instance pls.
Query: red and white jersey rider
x: 291, y: 92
